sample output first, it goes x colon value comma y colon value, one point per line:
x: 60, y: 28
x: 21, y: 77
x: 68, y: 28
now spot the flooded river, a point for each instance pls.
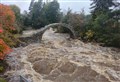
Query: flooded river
x: 61, y: 59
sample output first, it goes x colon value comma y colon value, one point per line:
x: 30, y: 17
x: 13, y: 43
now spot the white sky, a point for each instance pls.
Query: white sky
x: 75, y: 5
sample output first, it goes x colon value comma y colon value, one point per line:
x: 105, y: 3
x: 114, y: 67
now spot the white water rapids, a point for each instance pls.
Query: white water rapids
x: 60, y: 59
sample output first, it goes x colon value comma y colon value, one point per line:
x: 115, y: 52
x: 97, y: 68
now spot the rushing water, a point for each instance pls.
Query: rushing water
x: 61, y: 59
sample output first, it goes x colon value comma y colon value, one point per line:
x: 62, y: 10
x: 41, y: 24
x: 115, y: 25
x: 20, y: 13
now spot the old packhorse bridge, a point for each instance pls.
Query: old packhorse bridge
x: 37, y: 36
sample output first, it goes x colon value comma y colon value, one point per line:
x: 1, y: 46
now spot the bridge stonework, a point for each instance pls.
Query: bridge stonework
x: 37, y: 36
x: 70, y: 28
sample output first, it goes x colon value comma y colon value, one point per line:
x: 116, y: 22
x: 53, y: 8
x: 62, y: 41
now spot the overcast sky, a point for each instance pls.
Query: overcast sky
x: 75, y: 5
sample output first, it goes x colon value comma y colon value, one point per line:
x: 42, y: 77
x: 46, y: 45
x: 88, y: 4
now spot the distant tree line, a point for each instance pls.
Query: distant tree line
x: 42, y: 13
x: 105, y: 22
x: 102, y: 25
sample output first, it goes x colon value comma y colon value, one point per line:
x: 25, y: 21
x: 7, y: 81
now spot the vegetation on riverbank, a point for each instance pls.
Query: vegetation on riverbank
x: 101, y: 26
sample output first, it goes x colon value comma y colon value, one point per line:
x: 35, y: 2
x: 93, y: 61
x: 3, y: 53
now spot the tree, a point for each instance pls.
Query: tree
x: 7, y: 22
x: 4, y: 49
x: 105, y: 22
x: 18, y: 21
x: 36, y: 14
x: 7, y: 19
x: 52, y: 11
x: 42, y: 13
x: 31, y: 4
x: 101, y: 6
x: 26, y: 19
x: 16, y: 10
x: 76, y: 20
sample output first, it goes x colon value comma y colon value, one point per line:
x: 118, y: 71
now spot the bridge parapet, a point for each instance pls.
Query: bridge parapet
x: 36, y: 36
x: 70, y: 28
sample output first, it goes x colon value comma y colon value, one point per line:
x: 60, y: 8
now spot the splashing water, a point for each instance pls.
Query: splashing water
x: 60, y: 59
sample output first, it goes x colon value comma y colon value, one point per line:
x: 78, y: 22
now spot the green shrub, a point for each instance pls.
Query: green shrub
x: 1, y: 68
x: 2, y: 80
x: 90, y: 35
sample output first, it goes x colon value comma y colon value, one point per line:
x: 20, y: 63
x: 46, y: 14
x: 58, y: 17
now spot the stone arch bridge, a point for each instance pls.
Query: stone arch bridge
x: 37, y: 36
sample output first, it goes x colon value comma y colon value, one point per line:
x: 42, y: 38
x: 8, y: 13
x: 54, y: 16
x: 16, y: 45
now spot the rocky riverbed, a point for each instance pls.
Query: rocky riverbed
x: 61, y: 59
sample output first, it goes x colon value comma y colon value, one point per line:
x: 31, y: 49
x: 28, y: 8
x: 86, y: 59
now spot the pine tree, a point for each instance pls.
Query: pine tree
x: 101, y: 6
x: 31, y: 4
x: 36, y: 14
x: 53, y: 11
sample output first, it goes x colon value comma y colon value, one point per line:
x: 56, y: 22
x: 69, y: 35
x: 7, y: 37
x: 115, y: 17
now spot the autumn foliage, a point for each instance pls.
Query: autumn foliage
x: 7, y: 17
x: 7, y: 20
x: 4, y: 49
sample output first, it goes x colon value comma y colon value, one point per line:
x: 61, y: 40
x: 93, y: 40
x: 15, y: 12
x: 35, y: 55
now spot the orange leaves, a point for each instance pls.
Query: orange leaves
x: 4, y: 49
x: 1, y: 31
x: 7, y: 17
x: 7, y: 20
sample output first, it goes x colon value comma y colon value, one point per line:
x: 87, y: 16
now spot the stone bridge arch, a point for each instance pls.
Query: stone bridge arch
x: 70, y: 28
